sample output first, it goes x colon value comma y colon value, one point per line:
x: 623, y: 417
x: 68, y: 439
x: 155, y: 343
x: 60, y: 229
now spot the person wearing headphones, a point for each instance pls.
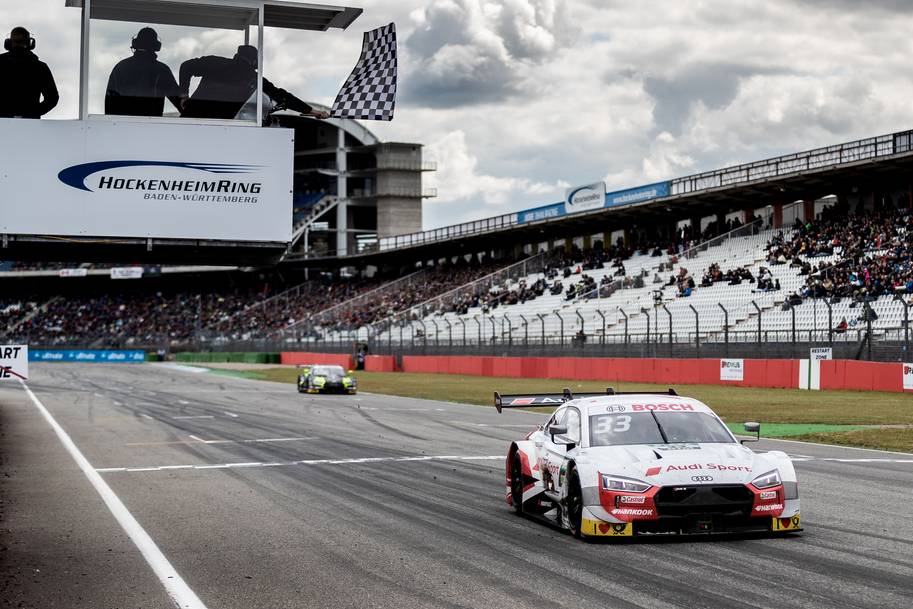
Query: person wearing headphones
x: 29, y: 90
x: 226, y: 85
x: 138, y: 85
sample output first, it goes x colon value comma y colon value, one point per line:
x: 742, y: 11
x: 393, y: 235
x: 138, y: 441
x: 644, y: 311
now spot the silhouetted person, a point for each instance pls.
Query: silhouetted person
x: 226, y: 85
x: 139, y: 85
x: 29, y: 90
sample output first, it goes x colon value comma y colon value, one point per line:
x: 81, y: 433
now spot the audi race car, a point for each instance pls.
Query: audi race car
x: 326, y: 379
x: 621, y: 465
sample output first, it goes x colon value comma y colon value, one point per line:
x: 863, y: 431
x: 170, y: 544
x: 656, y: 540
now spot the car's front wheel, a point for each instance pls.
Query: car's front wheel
x: 516, y: 483
x: 573, y: 504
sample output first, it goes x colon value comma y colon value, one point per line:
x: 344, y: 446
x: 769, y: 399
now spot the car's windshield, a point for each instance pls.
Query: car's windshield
x: 327, y: 371
x: 642, y: 428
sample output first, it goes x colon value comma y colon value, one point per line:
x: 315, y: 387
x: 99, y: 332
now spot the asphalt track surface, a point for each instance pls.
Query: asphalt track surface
x: 261, y: 497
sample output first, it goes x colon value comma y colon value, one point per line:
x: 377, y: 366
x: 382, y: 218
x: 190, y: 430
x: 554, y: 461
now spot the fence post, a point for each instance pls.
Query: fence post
x: 792, y: 310
x: 602, y: 315
x: 620, y: 310
x: 561, y: 322
x: 463, y: 323
x: 541, y: 317
x: 449, y: 333
x: 868, y: 328
x: 510, y: 330
x: 697, y: 329
x: 479, y: 324
x: 830, y: 322
x: 582, y: 326
x: 437, y: 333
x: 494, y: 330
x: 758, y: 309
x: 725, y: 328
x: 646, y: 312
x: 906, y: 326
x: 525, y: 331
x: 669, y: 313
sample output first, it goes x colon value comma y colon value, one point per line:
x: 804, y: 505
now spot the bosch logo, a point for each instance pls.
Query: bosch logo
x: 702, y: 478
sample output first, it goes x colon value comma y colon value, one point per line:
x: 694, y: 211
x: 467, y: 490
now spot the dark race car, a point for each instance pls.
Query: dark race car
x: 326, y: 379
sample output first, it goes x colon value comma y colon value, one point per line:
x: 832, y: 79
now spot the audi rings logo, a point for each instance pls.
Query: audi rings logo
x: 702, y: 478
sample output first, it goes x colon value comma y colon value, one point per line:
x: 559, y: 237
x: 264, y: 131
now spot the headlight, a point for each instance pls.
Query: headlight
x: 319, y: 380
x: 626, y: 485
x: 771, y: 478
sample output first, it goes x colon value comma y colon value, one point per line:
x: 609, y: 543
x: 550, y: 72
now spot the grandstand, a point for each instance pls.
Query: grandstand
x: 775, y: 256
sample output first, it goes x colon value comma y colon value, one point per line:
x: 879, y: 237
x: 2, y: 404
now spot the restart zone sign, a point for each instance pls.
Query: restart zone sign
x: 14, y: 362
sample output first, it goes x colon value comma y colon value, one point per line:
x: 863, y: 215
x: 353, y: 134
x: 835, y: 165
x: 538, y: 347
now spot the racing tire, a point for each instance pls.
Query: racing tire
x: 516, y: 483
x: 573, y: 504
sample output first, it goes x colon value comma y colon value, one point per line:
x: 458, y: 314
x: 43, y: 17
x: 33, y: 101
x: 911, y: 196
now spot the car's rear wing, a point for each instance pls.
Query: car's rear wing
x: 525, y: 400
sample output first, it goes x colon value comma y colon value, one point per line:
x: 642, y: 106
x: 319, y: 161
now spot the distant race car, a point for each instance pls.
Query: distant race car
x: 317, y: 378
x: 619, y: 465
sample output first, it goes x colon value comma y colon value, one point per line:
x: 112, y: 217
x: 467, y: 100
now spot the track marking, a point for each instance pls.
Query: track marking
x: 199, y: 440
x: 183, y: 402
x: 232, y: 415
x: 154, y: 468
x: 178, y: 590
x: 195, y: 416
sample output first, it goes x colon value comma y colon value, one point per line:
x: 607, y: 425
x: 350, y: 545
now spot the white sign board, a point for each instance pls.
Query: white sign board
x: 73, y: 273
x: 908, y: 377
x: 818, y: 354
x: 127, y: 272
x: 109, y: 178
x: 732, y: 370
x: 14, y: 362
x: 585, y: 198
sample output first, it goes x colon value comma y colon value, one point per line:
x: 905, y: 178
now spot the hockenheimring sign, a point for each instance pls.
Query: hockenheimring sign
x: 121, y: 179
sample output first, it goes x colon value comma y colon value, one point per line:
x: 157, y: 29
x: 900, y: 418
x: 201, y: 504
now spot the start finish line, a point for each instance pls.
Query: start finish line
x: 14, y: 362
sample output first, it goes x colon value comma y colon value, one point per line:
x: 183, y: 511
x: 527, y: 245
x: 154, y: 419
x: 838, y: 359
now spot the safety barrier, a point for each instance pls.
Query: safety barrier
x: 834, y: 374
x: 228, y: 357
x: 106, y: 356
x: 380, y: 363
x: 303, y: 357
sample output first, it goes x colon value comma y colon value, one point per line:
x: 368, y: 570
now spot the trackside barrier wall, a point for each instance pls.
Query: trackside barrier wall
x: 114, y: 356
x: 834, y: 374
x: 228, y: 357
x: 380, y: 363
x: 302, y: 357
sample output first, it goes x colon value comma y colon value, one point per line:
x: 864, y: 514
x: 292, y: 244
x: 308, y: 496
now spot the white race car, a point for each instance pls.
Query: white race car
x: 613, y: 464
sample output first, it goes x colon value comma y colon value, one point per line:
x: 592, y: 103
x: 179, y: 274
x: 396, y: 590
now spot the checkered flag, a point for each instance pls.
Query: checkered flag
x: 370, y: 91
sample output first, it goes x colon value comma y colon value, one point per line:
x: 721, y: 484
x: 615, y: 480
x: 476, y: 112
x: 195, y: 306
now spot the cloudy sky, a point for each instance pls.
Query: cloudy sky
x: 518, y: 99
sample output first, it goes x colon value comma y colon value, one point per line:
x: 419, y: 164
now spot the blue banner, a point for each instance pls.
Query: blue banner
x: 637, y: 195
x: 545, y: 212
x: 116, y: 356
x: 612, y: 199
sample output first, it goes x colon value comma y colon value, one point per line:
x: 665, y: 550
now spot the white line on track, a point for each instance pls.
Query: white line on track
x: 232, y: 415
x: 178, y: 590
x: 195, y: 416
x: 298, y: 439
x: 111, y: 470
x: 183, y: 402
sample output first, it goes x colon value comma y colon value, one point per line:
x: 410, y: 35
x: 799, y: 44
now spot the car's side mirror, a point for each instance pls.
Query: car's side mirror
x: 561, y: 430
x: 755, y: 428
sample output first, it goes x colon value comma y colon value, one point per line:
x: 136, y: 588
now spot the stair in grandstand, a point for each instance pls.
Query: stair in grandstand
x: 308, y: 209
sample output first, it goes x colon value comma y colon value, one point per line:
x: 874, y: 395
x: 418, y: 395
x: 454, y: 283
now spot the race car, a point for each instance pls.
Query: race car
x: 318, y: 378
x: 622, y: 465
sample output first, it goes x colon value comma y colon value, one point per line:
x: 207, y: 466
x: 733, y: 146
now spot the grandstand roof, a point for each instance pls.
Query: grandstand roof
x: 866, y: 165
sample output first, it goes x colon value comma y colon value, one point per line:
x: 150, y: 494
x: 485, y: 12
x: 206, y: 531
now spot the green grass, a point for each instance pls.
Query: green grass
x: 820, y: 416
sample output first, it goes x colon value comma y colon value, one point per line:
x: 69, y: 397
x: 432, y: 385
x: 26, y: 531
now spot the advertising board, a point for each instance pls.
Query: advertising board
x: 732, y: 370
x: 146, y: 180
x: 114, y: 356
x: 14, y: 362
